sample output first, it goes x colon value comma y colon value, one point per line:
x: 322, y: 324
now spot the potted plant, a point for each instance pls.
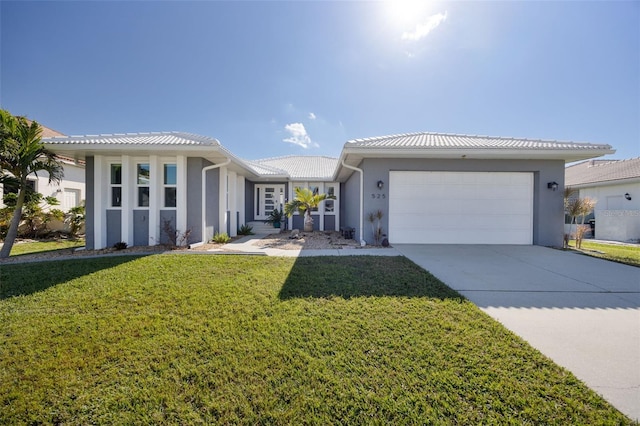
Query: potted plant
x: 275, y: 218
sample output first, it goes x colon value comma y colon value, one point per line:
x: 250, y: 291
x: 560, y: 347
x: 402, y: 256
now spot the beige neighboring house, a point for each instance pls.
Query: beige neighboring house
x: 615, y: 185
x: 70, y: 192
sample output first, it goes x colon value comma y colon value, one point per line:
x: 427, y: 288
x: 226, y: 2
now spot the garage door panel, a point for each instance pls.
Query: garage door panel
x: 461, y: 207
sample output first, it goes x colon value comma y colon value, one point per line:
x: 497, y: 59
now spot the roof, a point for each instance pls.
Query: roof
x: 453, y: 141
x: 151, y: 138
x: 46, y: 131
x: 321, y: 168
x: 597, y: 171
x: 302, y: 167
x: 454, y: 146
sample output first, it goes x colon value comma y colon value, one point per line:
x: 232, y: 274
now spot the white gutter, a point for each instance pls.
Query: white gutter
x: 362, y: 242
x: 204, y: 195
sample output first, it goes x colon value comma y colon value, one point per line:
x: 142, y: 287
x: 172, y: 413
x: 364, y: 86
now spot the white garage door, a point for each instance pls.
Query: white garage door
x: 460, y: 208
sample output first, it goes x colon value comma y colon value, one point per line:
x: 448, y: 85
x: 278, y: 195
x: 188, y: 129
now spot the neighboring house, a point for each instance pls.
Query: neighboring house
x: 70, y: 191
x: 615, y: 185
x: 431, y: 188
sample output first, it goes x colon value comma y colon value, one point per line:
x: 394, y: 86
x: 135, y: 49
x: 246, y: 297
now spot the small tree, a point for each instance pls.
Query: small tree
x: 579, y: 207
x: 22, y: 154
x: 304, y: 202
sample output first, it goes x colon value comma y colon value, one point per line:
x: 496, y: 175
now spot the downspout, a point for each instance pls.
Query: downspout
x: 204, y: 195
x: 362, y: 242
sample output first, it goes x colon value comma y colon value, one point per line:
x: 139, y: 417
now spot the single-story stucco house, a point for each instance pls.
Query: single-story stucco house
x: 615, y: 185
x: 431, y: 188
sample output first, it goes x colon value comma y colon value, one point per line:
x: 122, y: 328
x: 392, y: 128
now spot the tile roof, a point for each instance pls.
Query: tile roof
x: 302, y: 166
x: 265, y: 170
x: 596, y: 171
x: 453, y: 141
x: 46, y: 132
x: 152, y: 138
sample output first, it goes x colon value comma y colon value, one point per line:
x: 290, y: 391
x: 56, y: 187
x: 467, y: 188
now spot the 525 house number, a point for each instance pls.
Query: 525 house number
x: 378, y: 196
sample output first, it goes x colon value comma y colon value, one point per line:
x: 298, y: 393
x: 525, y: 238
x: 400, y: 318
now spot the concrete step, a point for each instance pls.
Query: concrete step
x: 261, y: 228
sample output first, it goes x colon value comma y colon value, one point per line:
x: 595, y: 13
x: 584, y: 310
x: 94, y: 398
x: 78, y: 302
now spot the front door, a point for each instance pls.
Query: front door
x: 267, y: 197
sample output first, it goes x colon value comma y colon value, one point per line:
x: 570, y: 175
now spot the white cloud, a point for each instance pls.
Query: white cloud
x: 299, y: 135
x: 312, y: 116
x: 423, y: 30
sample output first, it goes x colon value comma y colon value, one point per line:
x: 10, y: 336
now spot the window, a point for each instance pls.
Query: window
x: 329, y: 205
x: 116, y: 185
x: 315, y: 190
x: 170, y: 181
x: 143, y: 185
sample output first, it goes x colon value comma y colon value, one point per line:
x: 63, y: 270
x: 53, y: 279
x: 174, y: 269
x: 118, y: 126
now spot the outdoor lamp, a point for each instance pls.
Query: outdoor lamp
x: 627, y: 196
x: 552, y: 185
x: 380, y: 184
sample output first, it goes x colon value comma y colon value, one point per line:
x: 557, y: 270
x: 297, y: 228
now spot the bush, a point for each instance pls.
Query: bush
x: 221, y: 238
x: 120, y: 245
x: 245, y: 230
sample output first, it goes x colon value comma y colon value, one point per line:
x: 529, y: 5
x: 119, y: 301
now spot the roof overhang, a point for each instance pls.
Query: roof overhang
x: 212, y: 153
x: 353, y: 156
x: 628, y: 181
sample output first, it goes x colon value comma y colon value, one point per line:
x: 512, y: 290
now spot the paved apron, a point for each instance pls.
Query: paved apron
x: 582, y: 312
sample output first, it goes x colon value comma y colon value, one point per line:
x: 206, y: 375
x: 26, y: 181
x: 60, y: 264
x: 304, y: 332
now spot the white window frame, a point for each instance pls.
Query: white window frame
x: 335, y: 187
x: 115, y: 185
x: 166, y: 185
x: 139, y: 185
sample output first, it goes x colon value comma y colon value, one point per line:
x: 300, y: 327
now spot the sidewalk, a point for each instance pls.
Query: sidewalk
x: 246, y: 245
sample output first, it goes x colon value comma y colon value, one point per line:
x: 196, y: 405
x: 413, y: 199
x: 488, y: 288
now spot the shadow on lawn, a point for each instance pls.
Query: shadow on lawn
x: 22, y: 279
x: 357, y: 276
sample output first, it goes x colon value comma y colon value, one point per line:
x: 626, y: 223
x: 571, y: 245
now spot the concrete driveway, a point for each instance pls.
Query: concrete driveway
x: 582, y: 312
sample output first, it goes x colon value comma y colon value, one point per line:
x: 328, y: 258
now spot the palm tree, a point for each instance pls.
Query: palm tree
x: 22, y: 154
x: 304, y: 202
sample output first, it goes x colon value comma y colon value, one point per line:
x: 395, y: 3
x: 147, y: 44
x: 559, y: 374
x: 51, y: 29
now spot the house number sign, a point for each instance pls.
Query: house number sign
x: 378, y: 196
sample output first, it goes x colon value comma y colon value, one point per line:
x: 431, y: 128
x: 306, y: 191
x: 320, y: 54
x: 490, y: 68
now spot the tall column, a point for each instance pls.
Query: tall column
x: 181, y: 189
x: 99, y: 205
x: 128, y: 198
x: 155, y: 199
x: 222, y: 202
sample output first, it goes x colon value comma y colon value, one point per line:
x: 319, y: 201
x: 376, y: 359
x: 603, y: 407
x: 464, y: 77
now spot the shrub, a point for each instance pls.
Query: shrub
x: 222, y: 238
x: 245, y: 230
x: 175, y: 237
x: 75, y: 218
x: 120, y: 245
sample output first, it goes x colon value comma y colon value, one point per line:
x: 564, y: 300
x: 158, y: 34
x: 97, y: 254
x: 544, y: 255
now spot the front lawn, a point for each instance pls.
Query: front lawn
x: 30, y: 247
x: 619, y: 253
x: 183, y: 339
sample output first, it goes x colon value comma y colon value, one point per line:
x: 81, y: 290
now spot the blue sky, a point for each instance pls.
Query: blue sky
x: 277, y: 78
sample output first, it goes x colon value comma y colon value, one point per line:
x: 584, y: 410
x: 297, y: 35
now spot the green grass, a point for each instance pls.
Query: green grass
x: 183, y: 339
x: 618, y: 253
x: 43, y: 246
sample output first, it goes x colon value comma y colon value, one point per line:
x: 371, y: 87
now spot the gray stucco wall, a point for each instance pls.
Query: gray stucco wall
x: 350, y: 204
x: 194, y: 198
x: 141, y: 227
x: 548, y: 208
x: 298, y: 222
x: 213, y: 196
x: 170, y: 216
x: 329, y: 223
x: 89, y: 203
x: 114, y: 227
x: 249, y: 201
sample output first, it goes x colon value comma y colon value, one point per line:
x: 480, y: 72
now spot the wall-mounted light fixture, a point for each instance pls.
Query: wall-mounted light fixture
x: 627, y: 196
x: 552, y: 186
x: 380, y: 184
x: 58, y: 190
